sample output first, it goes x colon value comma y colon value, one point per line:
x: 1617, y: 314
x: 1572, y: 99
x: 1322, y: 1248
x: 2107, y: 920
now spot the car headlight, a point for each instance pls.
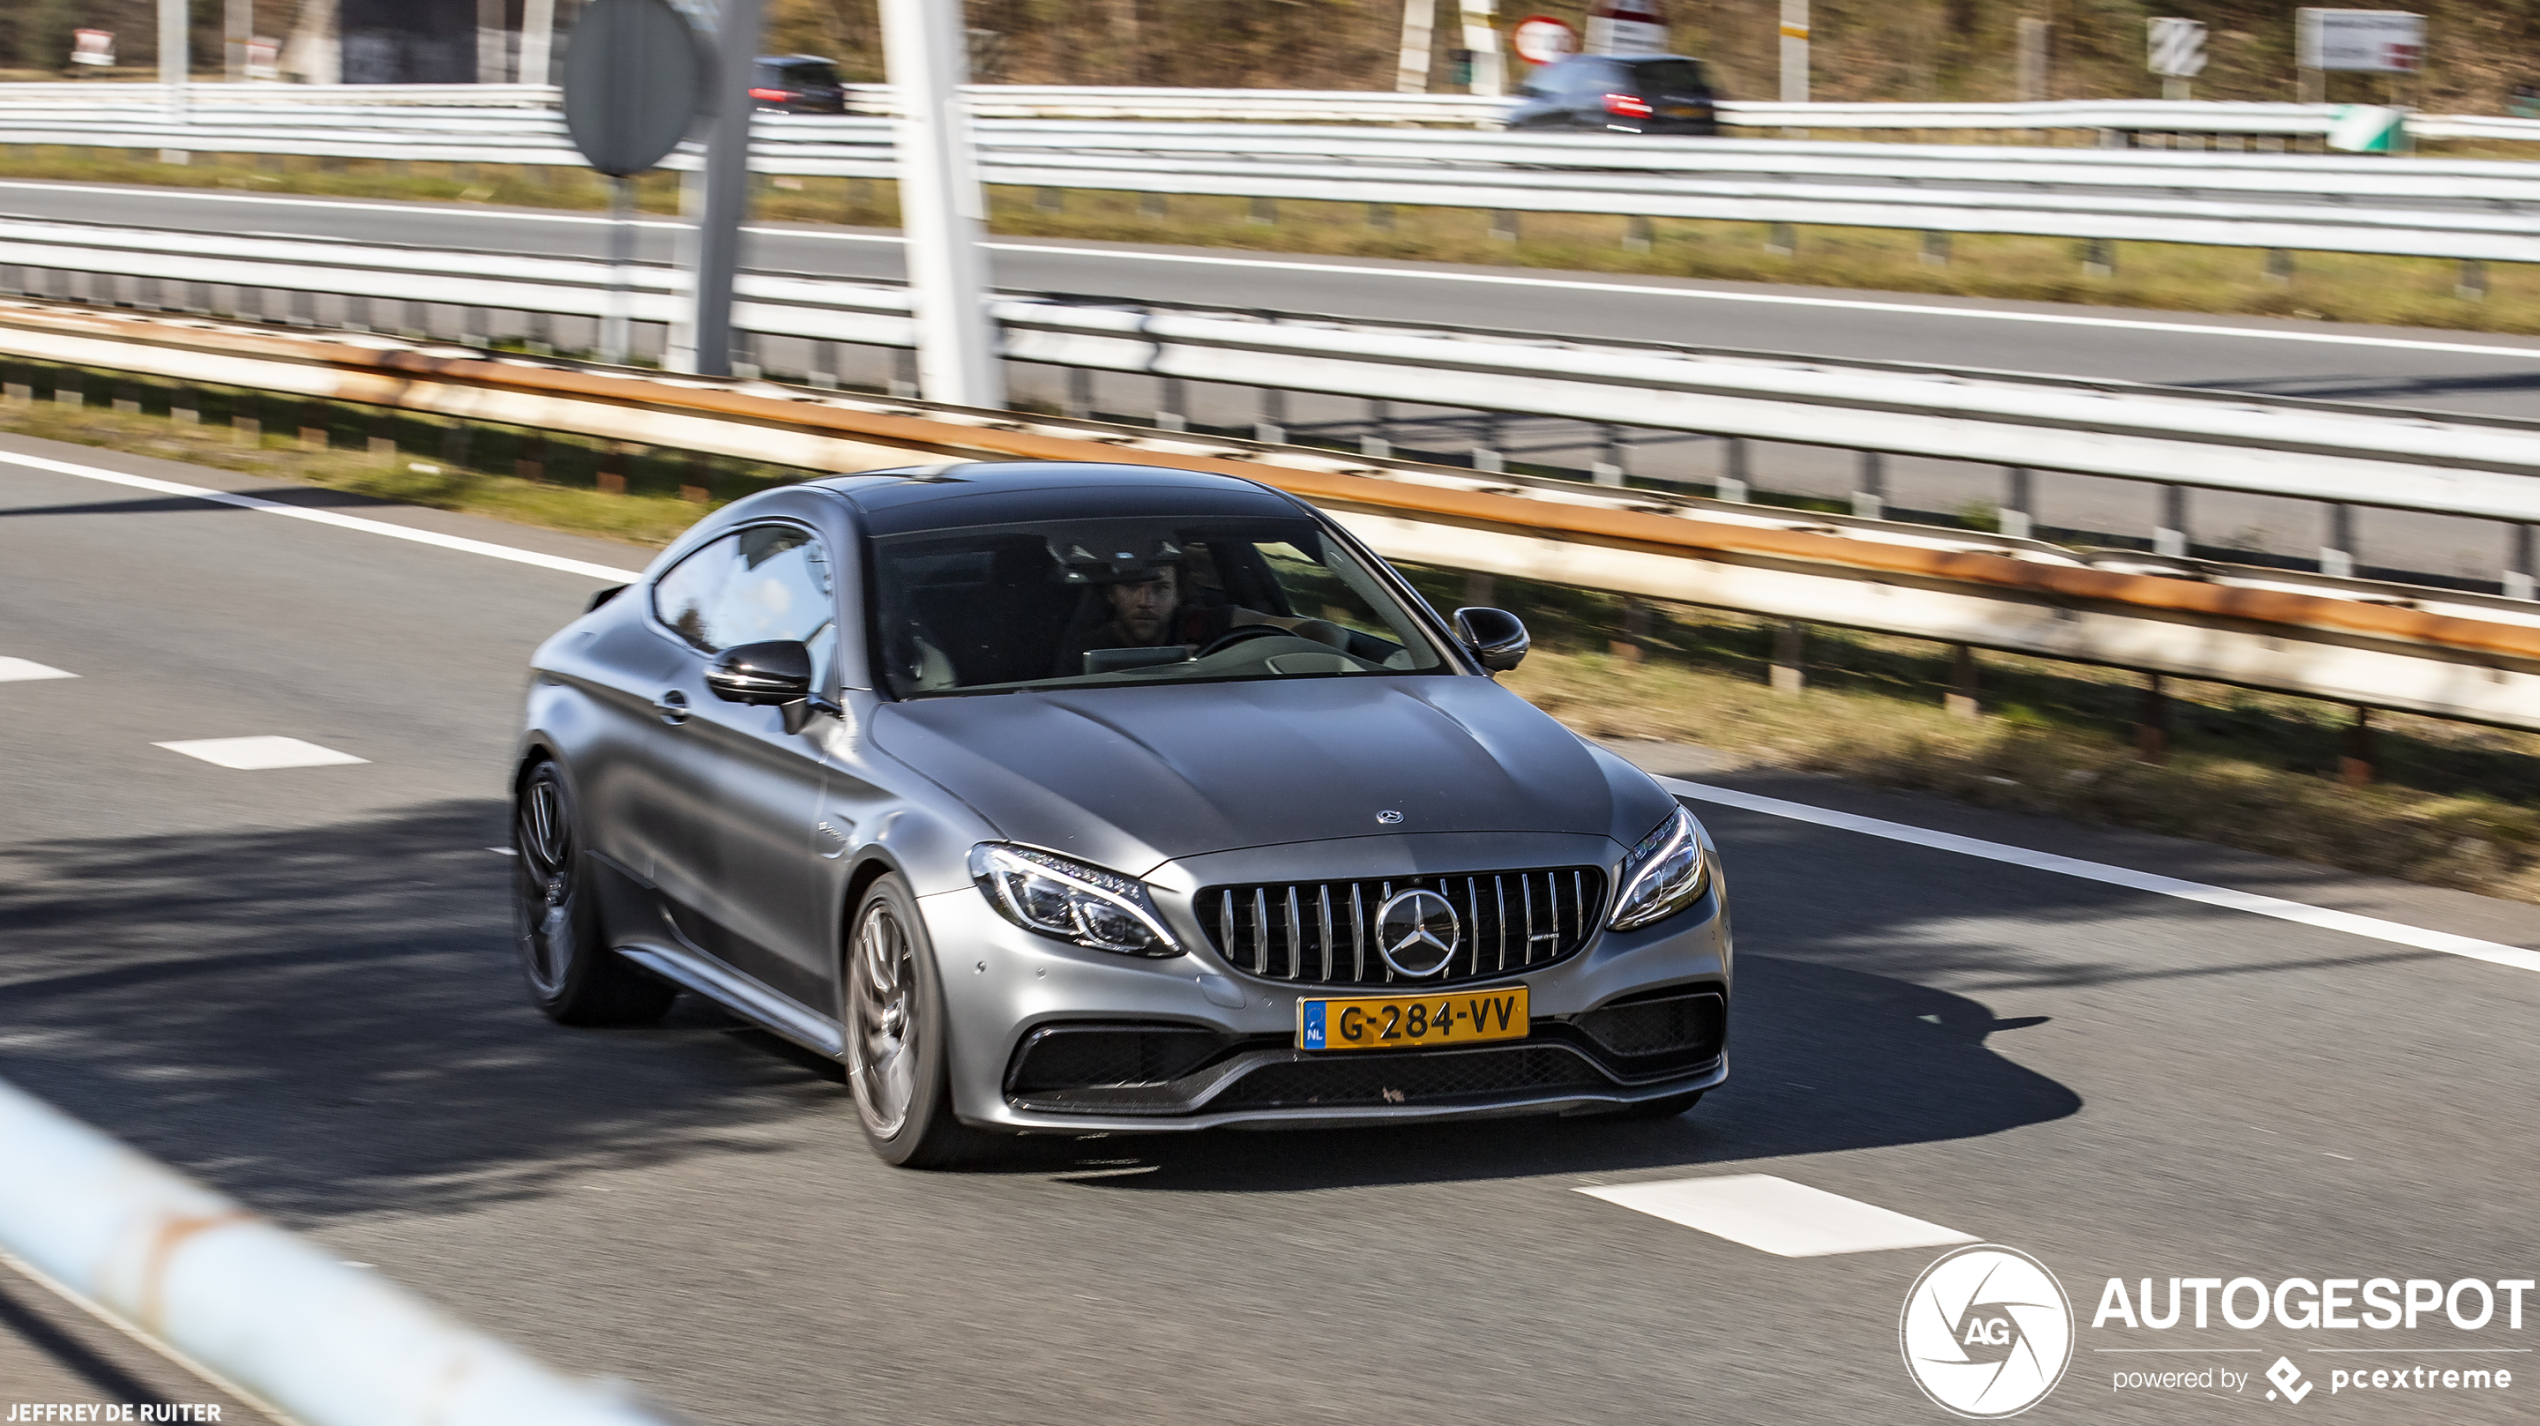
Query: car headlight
x: 1078, y: 904
x: 1666, y: 873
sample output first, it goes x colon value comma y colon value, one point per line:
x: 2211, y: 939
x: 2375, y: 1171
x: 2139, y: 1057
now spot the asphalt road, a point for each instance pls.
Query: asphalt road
x: 298, y: 984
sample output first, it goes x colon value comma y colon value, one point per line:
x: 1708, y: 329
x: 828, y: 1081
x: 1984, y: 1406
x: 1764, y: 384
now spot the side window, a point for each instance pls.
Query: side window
x: 765, y: 582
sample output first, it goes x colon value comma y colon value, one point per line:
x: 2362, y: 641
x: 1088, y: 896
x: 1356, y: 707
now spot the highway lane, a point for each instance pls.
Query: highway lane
x: 2442, y: 370
x: 298, y: 984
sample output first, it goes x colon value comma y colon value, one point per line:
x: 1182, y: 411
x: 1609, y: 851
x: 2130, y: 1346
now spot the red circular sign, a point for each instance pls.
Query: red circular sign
x: 1541, y: 39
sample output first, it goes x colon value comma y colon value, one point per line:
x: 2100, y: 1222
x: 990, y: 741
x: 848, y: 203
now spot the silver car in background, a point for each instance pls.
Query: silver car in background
x: 1083, y: 798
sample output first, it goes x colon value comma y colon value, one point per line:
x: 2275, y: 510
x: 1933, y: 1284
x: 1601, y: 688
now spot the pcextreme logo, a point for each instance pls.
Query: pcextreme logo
x: 1986, y: 1332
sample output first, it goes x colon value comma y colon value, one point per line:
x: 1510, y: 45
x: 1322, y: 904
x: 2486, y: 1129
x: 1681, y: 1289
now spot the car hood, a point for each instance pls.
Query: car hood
x: 1131, y: 777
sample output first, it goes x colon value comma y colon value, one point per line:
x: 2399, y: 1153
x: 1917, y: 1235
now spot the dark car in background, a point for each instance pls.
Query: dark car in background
x: 1627, y: 94
x: 798, y: 84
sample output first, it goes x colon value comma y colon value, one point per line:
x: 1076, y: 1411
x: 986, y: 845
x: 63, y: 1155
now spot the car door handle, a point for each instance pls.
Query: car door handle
x: 673, y: 707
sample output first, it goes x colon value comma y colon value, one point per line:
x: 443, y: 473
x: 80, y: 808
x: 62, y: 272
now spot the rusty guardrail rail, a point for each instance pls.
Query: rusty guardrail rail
x: 2430, y: 651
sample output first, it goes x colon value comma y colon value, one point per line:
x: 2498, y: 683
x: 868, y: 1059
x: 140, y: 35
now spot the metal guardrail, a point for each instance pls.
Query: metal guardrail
x: 289, y: 1328
x: 2219, y: 199
x: 2482, y: 467
x: 2378, y: 645
x: 1027, y: 101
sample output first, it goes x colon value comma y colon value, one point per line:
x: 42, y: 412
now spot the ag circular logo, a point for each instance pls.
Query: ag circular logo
x: 1987, y: 1332
x: 1416, y: 932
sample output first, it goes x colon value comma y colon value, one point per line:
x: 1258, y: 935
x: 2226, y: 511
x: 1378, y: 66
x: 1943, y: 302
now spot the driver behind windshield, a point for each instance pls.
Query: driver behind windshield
x: 1145, y: 608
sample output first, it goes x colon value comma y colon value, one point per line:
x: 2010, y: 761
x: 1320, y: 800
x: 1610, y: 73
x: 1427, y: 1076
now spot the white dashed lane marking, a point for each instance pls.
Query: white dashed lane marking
x: 28, y: 670
x: 258, y: 754
x: 1777, y: 1216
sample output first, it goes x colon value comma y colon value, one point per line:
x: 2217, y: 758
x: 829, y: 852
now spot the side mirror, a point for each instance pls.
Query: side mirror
x: 778, y: 671
x: 1496, y: 637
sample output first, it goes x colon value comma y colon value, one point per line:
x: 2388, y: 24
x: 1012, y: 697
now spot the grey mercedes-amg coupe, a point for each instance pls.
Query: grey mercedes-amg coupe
x: 1071, y: 798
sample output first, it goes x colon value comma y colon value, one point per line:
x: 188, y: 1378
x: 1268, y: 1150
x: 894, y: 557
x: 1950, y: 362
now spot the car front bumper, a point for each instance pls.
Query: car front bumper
x: 1003, y: 985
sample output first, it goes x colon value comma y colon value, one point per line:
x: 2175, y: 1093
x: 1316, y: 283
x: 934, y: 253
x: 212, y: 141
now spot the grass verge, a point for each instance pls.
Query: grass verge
x: 2338, y: 287
x: 2451, y: 806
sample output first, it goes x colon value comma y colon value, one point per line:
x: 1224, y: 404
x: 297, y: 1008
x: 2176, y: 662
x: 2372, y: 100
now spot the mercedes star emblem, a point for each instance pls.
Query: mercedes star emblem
x: 1417, y: 932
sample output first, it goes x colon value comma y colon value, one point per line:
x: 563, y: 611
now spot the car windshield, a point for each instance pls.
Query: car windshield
x: 1131, y: 601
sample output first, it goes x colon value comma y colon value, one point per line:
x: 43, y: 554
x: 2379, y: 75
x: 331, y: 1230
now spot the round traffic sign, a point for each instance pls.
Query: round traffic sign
x: 1541, y: 39
x: 634, y: 74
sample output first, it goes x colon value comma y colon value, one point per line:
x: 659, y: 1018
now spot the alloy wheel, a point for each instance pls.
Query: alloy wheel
x: 883, y: 1041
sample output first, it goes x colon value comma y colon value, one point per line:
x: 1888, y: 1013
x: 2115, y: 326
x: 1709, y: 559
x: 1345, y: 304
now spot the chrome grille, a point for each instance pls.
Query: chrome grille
x: 1324, y: 932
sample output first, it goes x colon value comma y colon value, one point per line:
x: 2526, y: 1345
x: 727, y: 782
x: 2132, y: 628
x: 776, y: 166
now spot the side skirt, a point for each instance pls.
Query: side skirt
x: 741, y: 995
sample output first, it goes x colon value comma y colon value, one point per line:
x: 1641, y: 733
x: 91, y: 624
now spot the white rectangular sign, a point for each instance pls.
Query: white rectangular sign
x: 2372, y: 41
x: 2175, y: 48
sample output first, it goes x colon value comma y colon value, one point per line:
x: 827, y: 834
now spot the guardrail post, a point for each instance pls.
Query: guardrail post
x: 1486, y: 453
x: 1628, y: 646
x: 824, y: 364
x: 2098, y: 258
x: 1272, y: 427
x: 1151, y: 206
x: 1638, y: 236
x: 1936, y: 249
x: 1480, y: 591
x: 1736, y: 485
x: 2279, y: 265
x: 1378, y: 440
x: 1080, y: 393
x: 903, y: 373
x: 2152, y: 721
x: 1503, y: 225
x: 2472, y: 286
x: 1176, y: 412
x: 2169, y: 538
x: 1869, y: 496
x: 2355, y: 767
x: 1380, y: 215
x: 1609, y: 471
x: 2337, y: 557
x: 2017, y: 499
x: 1962, y: 699
x: 1264, y: 211
x: 1780, y: 239
x: 1790, y: 674
x: 185, y: 406
x: 2518, y: 582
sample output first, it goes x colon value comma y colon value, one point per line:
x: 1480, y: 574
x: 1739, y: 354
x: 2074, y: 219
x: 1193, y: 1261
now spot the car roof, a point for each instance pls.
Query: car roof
x: 954, y: 496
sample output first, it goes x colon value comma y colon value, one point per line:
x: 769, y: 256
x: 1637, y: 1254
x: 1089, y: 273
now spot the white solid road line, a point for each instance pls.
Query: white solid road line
x: 28, y: 671
x: 327, y: 517
x: 258, y: 754
x: 1775, y: 1215
x: 2394, y: 932
x: 1499, y: 279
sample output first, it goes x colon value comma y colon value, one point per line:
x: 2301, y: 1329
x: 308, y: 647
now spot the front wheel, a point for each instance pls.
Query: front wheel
x: 573, y: 975
x: 899, y: 1065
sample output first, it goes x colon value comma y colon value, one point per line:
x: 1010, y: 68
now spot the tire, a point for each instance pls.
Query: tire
x: 1665, y: 1108
x: 899, y: 1061
x: 573, y: 975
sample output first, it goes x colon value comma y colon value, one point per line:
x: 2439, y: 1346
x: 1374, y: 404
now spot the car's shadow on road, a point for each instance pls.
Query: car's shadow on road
x: 329, y: 1020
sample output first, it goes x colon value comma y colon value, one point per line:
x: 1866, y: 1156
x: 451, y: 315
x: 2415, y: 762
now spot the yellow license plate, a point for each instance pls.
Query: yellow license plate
x: 1402, y: 1022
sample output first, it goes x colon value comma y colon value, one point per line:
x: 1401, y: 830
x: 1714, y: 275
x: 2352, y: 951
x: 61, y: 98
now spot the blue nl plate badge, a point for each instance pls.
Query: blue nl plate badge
x: 1314, y: 1025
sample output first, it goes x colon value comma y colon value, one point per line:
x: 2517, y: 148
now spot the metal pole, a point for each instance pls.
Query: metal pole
x: 238, y: 25
x: 1794, y: 51
x: 1481, y: 37
x: 616, y: 325
x: 537, y: 39
x: 941, y: 206
x: 704, y: 346
x: 173, y: 56
x: 1411, y: 74
x: 493, y: 43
